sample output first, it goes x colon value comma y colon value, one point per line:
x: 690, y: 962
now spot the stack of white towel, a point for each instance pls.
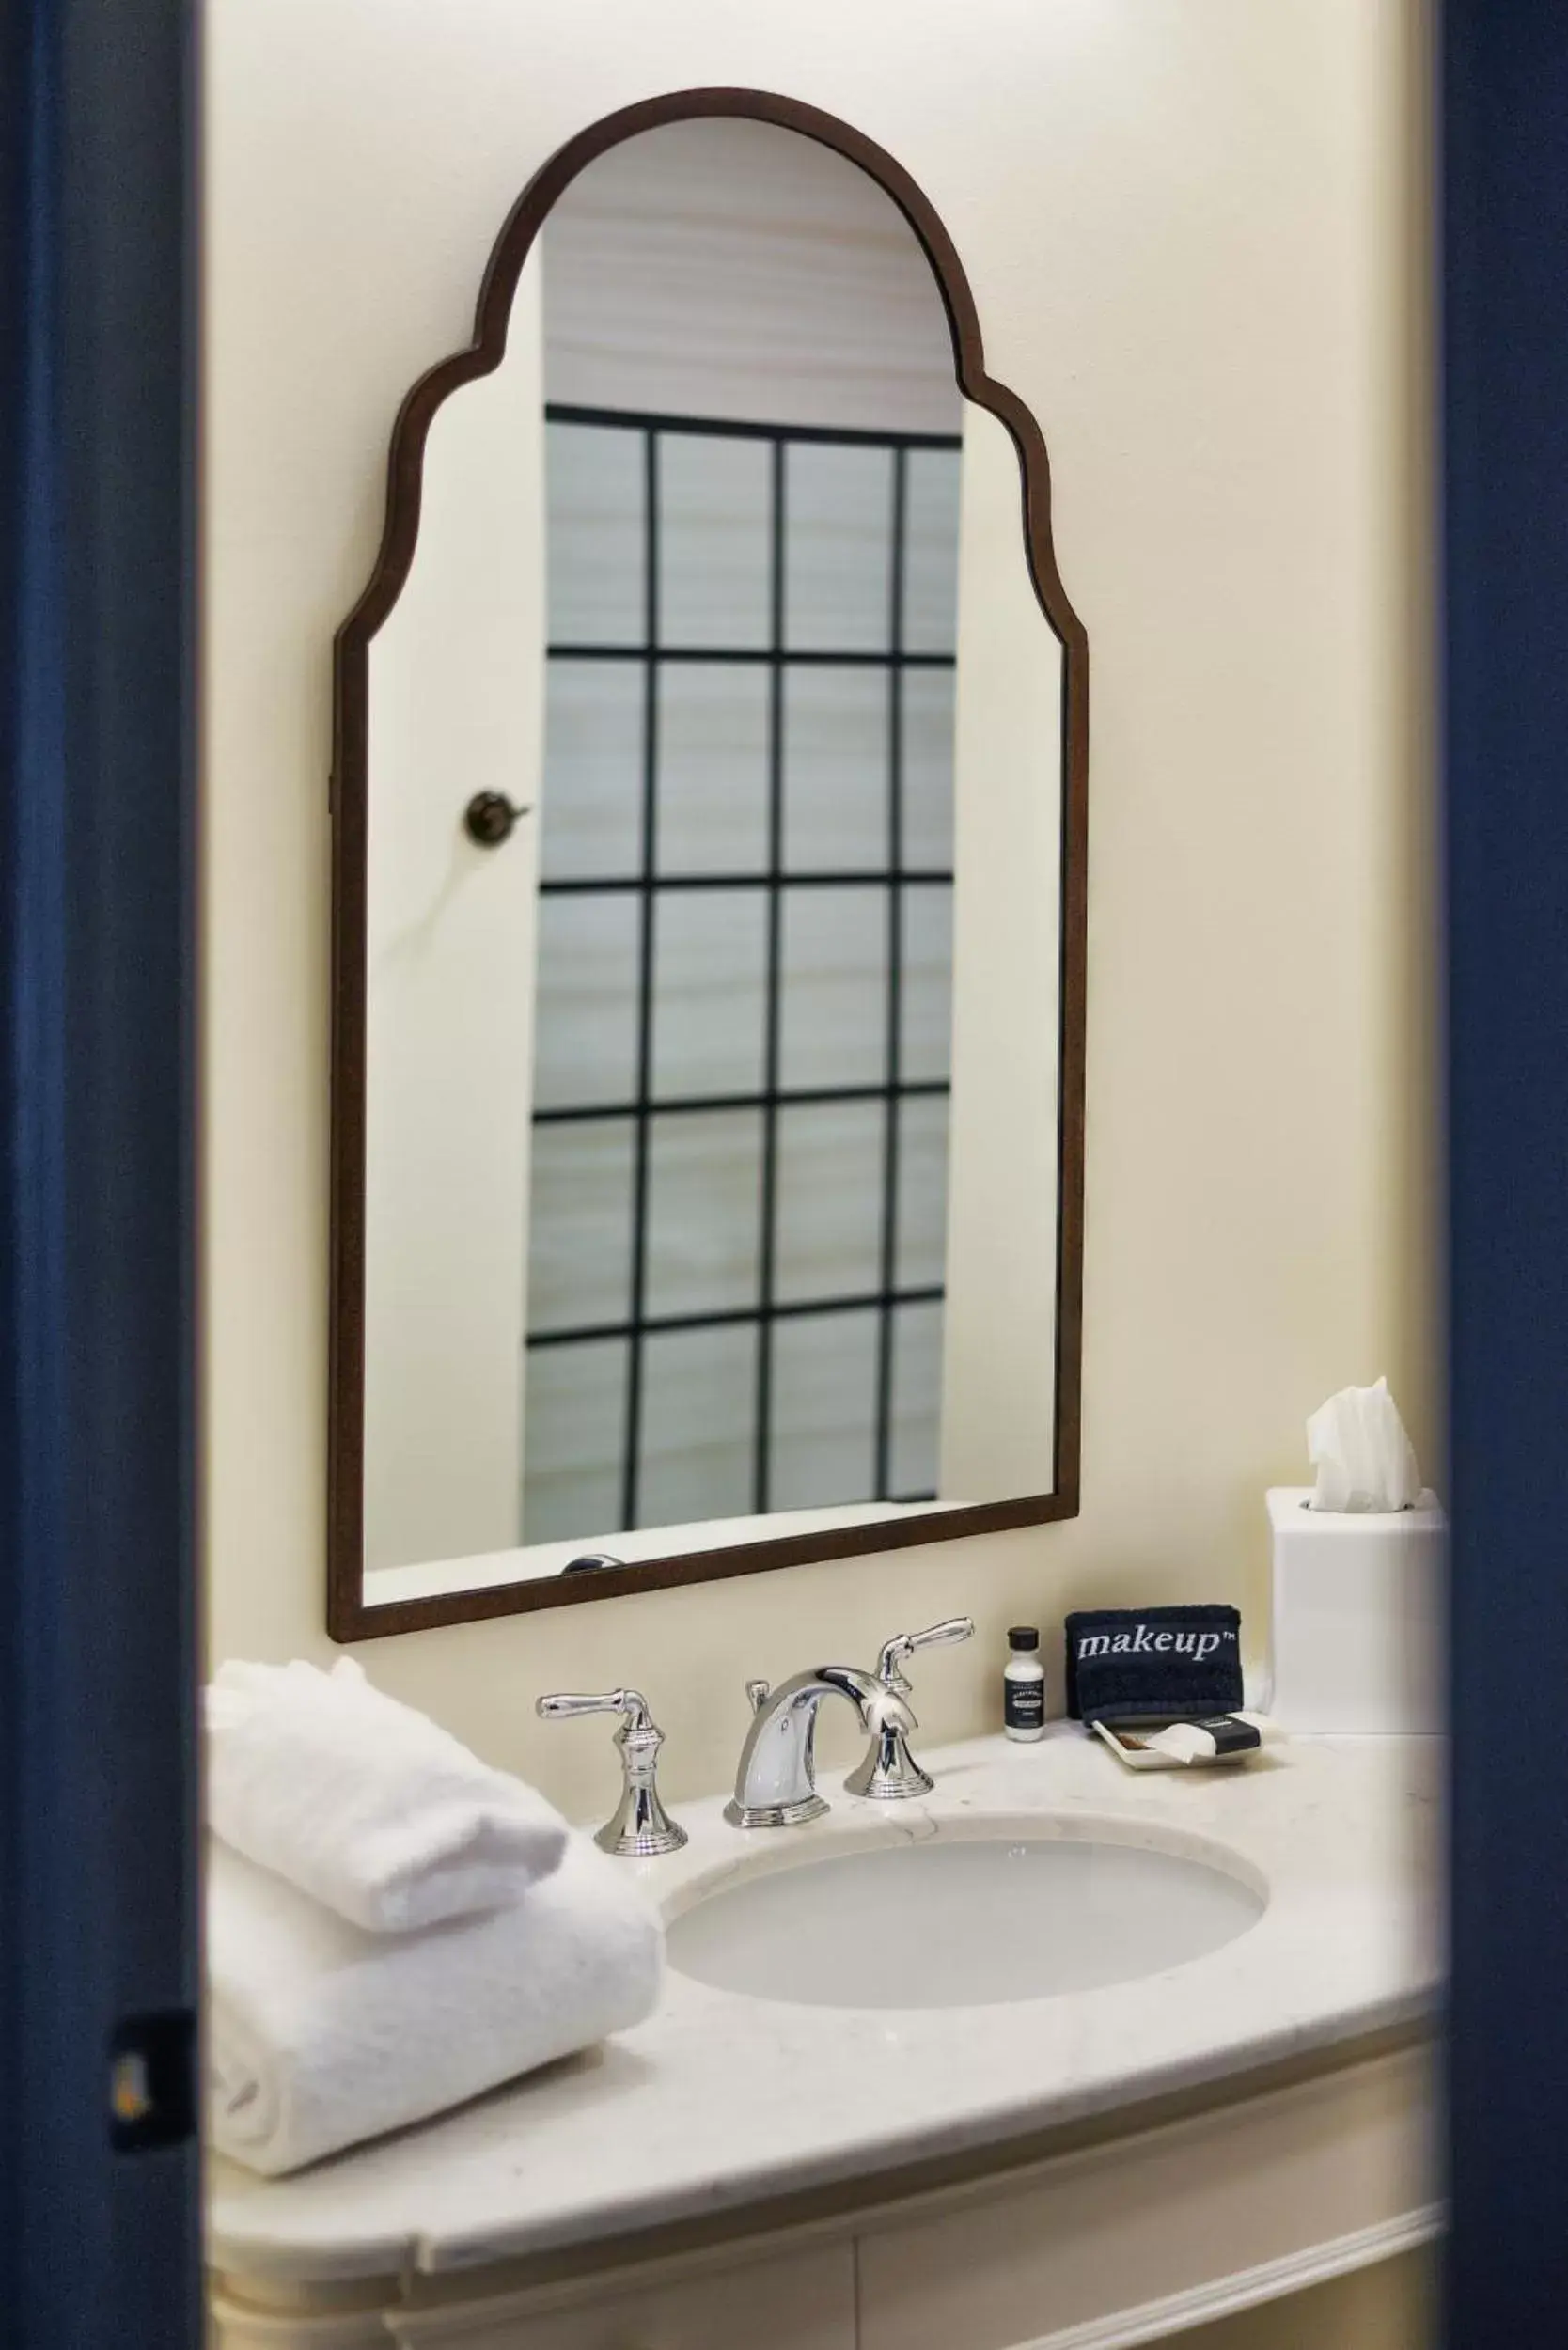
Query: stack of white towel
x: 392, y: 1926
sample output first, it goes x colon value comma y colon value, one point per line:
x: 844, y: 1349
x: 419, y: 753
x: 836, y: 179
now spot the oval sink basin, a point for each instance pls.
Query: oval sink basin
x: 959, y: 1921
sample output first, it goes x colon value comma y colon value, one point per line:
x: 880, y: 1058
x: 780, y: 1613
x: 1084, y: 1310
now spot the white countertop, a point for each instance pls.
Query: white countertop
x: 720, y: 2099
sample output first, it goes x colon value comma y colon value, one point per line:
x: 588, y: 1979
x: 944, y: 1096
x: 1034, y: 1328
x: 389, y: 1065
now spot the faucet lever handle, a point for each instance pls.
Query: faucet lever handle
x: 890, y: 1772
x: 641, y: 1827
x: 566, y: 1704
x: 756, y: 1694
x: 904, y: 1644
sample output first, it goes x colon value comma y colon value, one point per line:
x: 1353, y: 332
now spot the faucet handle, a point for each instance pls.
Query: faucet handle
x: 889, y: 1772
x: 756, y: 1695
x: 564, y: 1705
x: 904, y: 1644
x: 641, y: 1827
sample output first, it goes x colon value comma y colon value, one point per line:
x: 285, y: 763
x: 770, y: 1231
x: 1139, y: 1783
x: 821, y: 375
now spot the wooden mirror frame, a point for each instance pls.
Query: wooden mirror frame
x: 348, y: 1617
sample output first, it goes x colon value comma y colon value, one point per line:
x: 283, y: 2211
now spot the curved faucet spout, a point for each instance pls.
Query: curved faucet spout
x: 775, y: 1785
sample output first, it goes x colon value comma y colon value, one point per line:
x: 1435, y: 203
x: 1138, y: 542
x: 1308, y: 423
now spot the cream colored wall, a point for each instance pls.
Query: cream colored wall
x: 1186, y: 223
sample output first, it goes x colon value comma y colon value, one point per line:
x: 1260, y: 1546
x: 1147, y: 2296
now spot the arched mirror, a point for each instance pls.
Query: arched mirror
x: 710, y: 834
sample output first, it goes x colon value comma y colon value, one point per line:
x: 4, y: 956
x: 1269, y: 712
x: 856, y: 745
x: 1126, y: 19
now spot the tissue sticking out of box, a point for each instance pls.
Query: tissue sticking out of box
x: 1364, y: 1460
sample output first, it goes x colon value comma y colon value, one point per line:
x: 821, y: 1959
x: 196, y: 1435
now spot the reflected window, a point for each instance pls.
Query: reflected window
x: 743, y: 1004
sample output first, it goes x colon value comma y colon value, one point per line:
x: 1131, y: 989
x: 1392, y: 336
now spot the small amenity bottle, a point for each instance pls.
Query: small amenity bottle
x: 1023, y: 1685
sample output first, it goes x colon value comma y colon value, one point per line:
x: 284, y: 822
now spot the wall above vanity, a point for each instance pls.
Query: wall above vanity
x: 1226, y: 392
x: 709, y: 833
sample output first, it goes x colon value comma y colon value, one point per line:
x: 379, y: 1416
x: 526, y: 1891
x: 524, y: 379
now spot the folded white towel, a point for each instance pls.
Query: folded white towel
x: 363, y: 1803
x: 318, y: 2034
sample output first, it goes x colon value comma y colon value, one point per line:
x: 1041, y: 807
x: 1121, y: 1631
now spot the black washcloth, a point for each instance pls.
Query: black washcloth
x: 1123, y: 1662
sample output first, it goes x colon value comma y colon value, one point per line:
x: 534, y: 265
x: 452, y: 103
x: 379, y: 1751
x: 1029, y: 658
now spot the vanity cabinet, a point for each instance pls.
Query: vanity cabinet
x: 1110, y: 2236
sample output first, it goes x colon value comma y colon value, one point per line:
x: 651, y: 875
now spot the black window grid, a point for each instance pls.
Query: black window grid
x: 648, y: 885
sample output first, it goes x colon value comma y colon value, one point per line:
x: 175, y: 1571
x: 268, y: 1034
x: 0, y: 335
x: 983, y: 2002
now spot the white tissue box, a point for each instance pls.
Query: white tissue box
x: 1359, y: 1614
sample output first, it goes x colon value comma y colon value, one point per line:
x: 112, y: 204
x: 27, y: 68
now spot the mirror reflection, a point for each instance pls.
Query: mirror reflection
x: 714, y: 836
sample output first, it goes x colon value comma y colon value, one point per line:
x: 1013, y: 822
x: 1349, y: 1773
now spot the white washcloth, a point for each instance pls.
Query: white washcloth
x: 363, y: 1803
x: 319, y: 2035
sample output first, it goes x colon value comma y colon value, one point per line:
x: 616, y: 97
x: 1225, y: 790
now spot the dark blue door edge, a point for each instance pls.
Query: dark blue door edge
x: 1503, y: 250
x: 98, y: 2183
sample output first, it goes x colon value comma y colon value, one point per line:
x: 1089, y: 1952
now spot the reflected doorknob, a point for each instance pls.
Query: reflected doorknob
x: 489, y: 818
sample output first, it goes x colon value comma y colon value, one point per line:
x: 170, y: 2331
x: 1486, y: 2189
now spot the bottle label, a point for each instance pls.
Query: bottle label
x: 1024, y: 1704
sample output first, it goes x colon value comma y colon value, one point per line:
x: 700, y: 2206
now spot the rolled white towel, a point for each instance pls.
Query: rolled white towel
x: 320, y: 2034
x: 365, y: 1804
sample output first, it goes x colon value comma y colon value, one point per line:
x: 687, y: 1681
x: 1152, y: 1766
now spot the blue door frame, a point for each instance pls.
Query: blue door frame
x: 99, y: 2188
x: 1504, y: 257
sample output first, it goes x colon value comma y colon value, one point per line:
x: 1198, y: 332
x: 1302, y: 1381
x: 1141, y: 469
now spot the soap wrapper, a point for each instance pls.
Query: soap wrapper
x: 1131, y: 1663
x: 1225, y: 1738
x: 1365, y: 1462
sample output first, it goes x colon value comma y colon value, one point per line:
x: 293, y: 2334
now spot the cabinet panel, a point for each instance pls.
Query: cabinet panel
x: 1155, y: 2217
x: 803, y: 2301
x: 234, y: 2325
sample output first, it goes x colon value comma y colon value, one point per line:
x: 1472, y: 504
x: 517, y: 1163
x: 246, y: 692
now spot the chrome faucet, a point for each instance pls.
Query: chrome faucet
x: 640, y: 1828
x: 775, y: 1785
